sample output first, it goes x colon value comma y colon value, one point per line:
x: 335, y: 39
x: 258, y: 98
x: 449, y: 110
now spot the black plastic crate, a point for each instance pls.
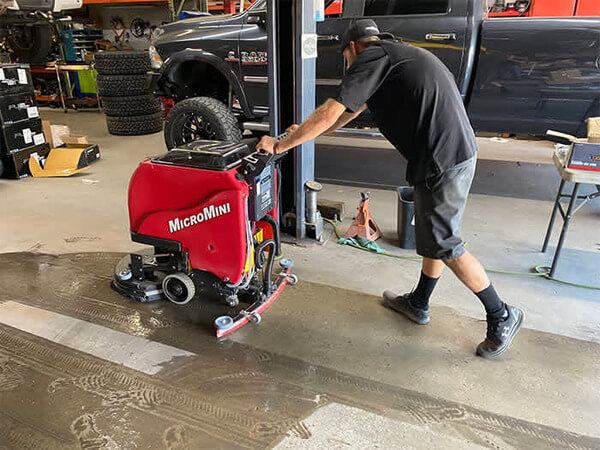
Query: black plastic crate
x: 18, y: 107
x: 16, y: 164
x: 15, y: 78
x: 20, y: 135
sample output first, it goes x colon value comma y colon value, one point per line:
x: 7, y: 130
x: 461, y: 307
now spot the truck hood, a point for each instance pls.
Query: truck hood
x: 196, y: 22
x: 196, y: 28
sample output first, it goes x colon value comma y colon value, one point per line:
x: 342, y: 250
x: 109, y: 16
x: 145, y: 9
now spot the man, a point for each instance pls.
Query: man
x: 415, y: 102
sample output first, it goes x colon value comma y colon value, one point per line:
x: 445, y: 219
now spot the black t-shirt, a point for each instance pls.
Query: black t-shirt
x: 415, y: 103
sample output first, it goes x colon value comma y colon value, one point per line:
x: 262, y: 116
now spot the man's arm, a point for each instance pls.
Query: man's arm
x: 321, y: 120
x: 345, y: 118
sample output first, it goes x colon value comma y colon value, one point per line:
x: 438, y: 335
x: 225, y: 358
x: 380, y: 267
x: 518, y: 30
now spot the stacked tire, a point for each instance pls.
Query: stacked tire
x: 124, y: 85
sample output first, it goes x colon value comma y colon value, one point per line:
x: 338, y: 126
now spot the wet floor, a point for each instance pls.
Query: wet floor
x: 82, y: 367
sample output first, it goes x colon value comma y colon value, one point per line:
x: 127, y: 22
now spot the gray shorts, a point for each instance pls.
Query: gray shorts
x: 439, y: 206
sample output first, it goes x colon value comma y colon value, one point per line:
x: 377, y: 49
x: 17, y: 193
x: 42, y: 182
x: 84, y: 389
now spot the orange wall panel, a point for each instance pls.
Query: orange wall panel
x: 553, y: 8
x: 588, y: 8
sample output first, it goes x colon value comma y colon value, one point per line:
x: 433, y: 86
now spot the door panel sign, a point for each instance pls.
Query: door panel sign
x: 309, y: 46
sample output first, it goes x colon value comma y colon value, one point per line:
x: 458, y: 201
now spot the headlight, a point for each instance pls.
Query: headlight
x: 156, y: 61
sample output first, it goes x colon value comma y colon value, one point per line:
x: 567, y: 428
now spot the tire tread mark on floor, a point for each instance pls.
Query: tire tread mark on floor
x: 23, y: 435
x: 426, y: 409
x: 150, y: 395
x: 423, y: 409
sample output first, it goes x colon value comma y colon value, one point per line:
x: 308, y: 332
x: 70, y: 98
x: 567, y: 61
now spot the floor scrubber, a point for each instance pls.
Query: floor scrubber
x: 209, y: 209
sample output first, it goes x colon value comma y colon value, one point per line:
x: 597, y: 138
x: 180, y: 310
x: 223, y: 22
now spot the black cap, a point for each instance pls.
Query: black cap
x: 361, y: 29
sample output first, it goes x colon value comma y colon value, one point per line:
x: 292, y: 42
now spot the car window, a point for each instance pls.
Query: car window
x: 258, y: 5
x: 262, y: 4
x: 402, y: 7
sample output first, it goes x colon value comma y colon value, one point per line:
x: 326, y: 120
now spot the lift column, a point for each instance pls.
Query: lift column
x: 292, y: 47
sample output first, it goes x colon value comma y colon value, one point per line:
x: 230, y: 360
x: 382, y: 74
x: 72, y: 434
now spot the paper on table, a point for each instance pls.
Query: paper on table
x: 2, y: 77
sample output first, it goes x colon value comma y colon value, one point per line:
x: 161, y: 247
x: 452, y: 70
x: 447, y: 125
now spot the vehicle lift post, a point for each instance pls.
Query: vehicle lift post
x: 292, y: 42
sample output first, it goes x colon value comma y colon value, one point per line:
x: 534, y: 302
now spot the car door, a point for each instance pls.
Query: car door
x: 252, y: 58
x: 439, y: 26
x: 330, y: 62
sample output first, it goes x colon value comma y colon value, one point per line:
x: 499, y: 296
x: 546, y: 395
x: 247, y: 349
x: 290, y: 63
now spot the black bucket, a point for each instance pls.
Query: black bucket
x: 406, y: 217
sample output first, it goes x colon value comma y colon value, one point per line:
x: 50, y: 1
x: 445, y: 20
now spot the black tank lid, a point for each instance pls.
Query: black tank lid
x: 209, y: 155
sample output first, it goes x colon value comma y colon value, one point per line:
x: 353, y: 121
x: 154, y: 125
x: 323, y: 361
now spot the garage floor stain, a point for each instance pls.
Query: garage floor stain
x: 246, y: 392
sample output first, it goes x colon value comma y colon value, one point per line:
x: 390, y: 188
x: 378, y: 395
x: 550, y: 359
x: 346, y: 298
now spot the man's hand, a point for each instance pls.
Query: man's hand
x: 267, y: 144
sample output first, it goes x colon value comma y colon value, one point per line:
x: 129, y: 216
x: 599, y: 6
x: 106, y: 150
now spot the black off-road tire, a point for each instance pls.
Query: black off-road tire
x: 122, y: 63
x: 135, y: 125
x: 37, y: 45
x: 122, y: 85
x: 135, y: 105
x: 223, y: 125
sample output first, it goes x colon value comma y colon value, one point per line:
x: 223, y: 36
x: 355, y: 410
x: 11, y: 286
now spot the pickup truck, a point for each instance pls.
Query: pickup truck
x: 517, y: 75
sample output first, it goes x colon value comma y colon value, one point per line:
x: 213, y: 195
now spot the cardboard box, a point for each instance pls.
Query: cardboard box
x: 75, y: 140
x: 16, y: 163
x: 594, y: 127
x: 584, y: 156
x: 92, y: 153
x: 21, y: 135
x: 54, y: 132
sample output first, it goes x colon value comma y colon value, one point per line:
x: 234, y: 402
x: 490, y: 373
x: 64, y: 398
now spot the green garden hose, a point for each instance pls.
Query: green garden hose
x: 539, y: 271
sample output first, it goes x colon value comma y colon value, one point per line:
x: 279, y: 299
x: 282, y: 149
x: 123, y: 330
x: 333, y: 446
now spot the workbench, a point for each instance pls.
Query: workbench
x: 578, y: 177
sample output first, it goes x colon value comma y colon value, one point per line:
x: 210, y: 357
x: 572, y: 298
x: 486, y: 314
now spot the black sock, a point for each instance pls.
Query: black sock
x: 419, y: 298
x: 494, y: 307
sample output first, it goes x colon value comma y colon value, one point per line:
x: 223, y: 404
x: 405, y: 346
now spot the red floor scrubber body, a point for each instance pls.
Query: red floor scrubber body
x: 209, y: 210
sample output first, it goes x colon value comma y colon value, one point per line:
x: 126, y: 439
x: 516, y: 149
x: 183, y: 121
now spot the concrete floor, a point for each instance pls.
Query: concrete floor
x: 328, y: 367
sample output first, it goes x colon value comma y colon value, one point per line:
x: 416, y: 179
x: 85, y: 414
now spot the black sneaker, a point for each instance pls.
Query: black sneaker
x: 500, y: 333
x: 401, y: 304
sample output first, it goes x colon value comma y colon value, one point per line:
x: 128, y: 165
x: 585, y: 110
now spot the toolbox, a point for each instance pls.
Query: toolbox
x: 79, y: 43
x: 21, y: 135
x: 18, y: 107
x: 15, y: 78
x: 16, y: 163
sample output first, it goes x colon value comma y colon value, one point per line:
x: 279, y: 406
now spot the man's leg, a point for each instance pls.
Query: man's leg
x: 415, y: 304
x: 431, y: 272
x: 472, y: 274
x: 433, y: 268
x: 503, y: 321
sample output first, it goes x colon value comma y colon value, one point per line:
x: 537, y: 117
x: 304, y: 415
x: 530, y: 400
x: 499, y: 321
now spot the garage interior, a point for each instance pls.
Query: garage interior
x: 328, y: 366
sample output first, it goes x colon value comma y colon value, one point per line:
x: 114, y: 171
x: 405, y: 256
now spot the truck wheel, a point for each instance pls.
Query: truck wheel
x: 122, y: 63
x: 200, y: 118
x: 31, y: 43
x: 119, y: 85
x: 135, y: 125
x: 135, y: 105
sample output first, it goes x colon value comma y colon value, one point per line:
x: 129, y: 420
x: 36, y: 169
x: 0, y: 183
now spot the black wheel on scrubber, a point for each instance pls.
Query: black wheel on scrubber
x: 135, y: 125
x: 232, y: 301
x: 122, y: 62
x: 179, y: 288
x: 122, y: 85
x: 135, y: 105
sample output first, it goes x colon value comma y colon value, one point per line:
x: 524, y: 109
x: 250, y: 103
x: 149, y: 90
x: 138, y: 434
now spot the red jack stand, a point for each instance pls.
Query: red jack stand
x: 363, y: 224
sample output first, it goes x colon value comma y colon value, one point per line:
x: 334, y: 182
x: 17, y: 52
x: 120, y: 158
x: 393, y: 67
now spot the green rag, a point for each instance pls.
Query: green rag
x: 359, y: 241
